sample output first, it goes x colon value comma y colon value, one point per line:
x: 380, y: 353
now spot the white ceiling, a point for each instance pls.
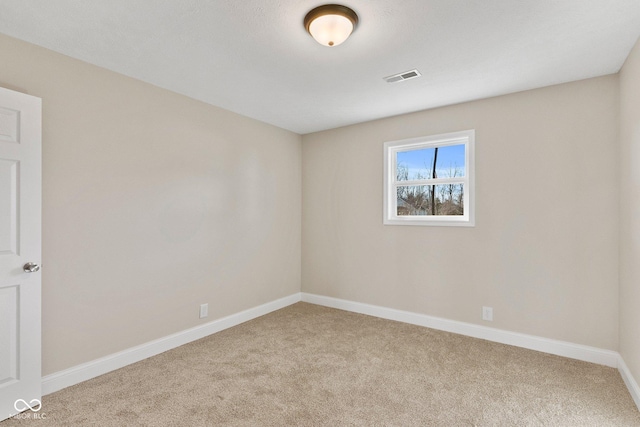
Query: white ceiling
x: 254, y: 57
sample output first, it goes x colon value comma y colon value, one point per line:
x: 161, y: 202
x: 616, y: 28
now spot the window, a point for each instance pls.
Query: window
x: 429, y: 180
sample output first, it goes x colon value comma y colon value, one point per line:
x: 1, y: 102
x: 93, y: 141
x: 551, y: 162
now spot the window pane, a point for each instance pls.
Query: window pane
x: 447, y: 199
x: 419, y: 164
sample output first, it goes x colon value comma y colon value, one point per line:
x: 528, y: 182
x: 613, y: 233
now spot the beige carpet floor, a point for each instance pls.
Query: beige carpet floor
x: 307, y: 365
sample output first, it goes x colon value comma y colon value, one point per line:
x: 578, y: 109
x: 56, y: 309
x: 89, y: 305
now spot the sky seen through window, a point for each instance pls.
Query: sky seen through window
x: 420, y: 162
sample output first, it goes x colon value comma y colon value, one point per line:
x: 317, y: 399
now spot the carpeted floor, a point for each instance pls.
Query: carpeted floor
x: 307, y: 365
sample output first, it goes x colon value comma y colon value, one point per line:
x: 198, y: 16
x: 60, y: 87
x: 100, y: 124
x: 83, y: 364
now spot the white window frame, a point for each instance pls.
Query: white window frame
x: 391, y: 183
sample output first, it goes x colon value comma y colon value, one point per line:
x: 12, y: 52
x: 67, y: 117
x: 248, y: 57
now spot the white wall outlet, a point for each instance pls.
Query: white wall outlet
x: 487, y: 313
x: 204, y: 310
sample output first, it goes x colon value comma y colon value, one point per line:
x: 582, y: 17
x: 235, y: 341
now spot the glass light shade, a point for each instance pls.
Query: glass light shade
x: 330, y: 30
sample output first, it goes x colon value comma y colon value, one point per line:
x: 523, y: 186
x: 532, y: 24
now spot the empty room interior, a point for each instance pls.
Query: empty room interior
x: 434, y: 220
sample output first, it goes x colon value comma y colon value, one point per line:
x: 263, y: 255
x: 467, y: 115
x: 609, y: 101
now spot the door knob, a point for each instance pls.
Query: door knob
x: 31, y: 267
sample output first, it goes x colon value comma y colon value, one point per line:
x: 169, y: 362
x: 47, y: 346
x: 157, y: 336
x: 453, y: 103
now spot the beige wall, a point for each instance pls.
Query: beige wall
x: 544, y: 249
x: 153, y: 203
x: 630, y: 212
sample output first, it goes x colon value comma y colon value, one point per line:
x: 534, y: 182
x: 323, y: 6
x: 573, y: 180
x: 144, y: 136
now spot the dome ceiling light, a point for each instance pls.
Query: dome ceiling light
x: 330, y: 24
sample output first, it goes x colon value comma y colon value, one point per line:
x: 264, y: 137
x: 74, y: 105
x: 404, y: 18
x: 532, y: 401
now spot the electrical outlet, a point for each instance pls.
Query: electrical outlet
x: 204, y: 310
x: 487, y: 313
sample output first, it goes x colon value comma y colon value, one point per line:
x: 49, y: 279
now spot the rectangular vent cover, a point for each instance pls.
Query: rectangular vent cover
x: 400, y: 77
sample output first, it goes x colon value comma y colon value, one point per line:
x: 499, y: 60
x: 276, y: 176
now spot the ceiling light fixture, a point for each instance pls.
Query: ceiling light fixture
x: 330, y: 24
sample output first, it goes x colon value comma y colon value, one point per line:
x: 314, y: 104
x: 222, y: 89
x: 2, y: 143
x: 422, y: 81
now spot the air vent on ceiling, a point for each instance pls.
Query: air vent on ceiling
x: 400, y: 77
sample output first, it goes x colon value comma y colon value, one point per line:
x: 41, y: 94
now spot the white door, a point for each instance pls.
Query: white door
x: 20, y: 244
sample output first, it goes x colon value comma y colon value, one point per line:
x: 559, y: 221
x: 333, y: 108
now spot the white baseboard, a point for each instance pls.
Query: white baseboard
x: 531, y: 342
x: 77, y: 374
x: 631, y: 383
